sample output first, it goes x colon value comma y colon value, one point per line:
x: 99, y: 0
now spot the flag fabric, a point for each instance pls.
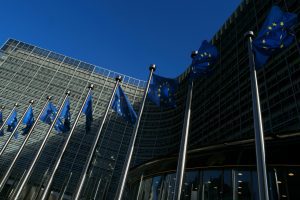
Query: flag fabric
x: 88, y: 111
x: 66, y: 116
x: 275, y: 35
x: 162, y: 91
x: 1, y: 122
x: 207, y: 55
x: 12, y: 123
x: 50, y: 112
x: 123, y: 107
x: 28, y: 120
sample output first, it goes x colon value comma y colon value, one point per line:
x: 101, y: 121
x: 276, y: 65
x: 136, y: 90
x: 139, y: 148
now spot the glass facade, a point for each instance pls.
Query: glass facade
x: 29, y: 72
x: 221, y: 113
x: 238, y: 183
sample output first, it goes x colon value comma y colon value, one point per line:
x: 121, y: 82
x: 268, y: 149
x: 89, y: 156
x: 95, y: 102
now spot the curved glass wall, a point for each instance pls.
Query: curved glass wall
x: 237, y: 183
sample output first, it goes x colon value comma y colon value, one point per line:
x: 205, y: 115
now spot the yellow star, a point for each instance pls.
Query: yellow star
x: 263, y: 41
x: 205, y: 53
x: 281, y: 46
x: 201, y: 55
x: 274, y: 24
x: 270, y: 27
x: 265, y: 47
x: 209, y: 55
x: 208, y: 64
x: 281, y: 24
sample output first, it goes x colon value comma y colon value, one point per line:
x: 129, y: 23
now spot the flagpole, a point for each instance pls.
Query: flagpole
x: 94, y: 145
x: 49, y: 182
x: 184, y: 140
x: 8, y: 172
x: 125, y: 170
x: 29, y: 172
x: 12, y: 110
x: 258, y: 126
x: 15, y: 129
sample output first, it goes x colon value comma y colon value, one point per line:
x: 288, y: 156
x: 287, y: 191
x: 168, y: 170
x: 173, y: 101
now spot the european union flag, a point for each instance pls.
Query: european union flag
x: 88, y: 111
x: 12, y: 123
x: 49, y: 113
x: 274, y: 35
x: 123, y: 107
x: 207, y: 55
x: 66, y: 115
x: 28, y: 120
x: 162, y: 91
x: 1, y: 122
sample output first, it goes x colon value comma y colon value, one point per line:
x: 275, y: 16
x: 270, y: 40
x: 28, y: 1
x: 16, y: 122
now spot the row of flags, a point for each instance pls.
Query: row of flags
x: 275, y: 35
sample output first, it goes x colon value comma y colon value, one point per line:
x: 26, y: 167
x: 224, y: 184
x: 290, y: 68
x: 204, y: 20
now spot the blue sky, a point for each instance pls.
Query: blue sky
x: 124, y: 36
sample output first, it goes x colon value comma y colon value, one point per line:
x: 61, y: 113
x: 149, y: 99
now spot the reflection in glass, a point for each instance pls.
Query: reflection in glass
x: 222, y: 184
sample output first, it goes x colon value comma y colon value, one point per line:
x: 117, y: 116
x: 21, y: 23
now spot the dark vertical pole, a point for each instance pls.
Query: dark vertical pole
x: 258, y: 127
x: 29, y: 172
x: 184, y: 140
x: 15, y: 130
x: 49, y: 182
x: 123, y: 178
x: 183, y: 145
x: 93, y: 148
x: 140, y: 187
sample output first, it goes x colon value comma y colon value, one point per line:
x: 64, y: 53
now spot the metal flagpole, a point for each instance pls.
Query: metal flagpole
x: 29, y: 172
x: 123, y: 178
x: 65, y: 187
x: 49, y: 182
x: 92, y: 151
x: 15, y: 130
x: 183, y: 144
x: 8, y: 172
x: 140, y: 187
x: 12, y: 110
x: 258, y: 127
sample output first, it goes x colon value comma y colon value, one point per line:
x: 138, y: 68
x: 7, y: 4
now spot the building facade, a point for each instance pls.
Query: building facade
x: 221, y: 159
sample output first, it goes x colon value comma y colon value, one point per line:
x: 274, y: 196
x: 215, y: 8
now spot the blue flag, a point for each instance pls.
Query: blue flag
x: 12, y: 123
x: 88, y: 111
x: 207, y: 56
x: 123, y: 107
x: 1, y: 122
x: 49, y: 114
x: 162, y: 91
x: 28, y: 121
x: 65, y: 115
x: 275, y: 35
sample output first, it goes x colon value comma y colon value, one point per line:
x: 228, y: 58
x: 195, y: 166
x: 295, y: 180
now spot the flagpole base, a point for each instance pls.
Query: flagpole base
x: 31, y: 101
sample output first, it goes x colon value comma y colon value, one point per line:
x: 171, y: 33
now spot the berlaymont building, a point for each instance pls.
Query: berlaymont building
x: 221, y: 162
